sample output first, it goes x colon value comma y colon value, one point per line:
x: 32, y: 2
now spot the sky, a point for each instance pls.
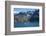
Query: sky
x: 18, y: 10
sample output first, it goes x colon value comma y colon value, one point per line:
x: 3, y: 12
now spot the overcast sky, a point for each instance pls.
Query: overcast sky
x: 17, y: 10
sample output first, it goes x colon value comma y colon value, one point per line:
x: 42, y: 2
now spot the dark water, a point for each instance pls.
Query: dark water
x: 34, y: 23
